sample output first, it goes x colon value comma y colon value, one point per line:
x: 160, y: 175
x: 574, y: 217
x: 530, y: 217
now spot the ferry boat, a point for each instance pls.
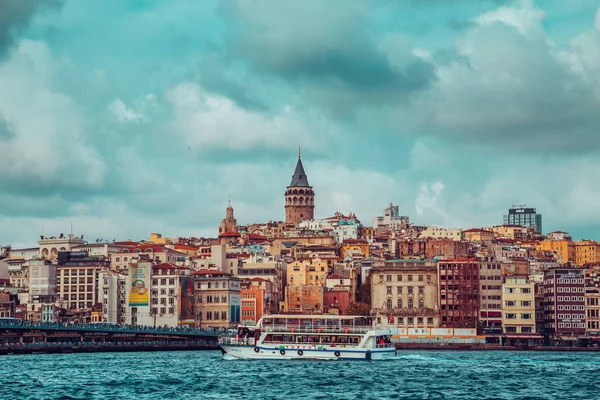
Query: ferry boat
x: 321, y: 337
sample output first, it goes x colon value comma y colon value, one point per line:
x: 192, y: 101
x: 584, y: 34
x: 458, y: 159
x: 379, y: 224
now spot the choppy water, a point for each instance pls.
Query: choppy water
x: 204, y: 375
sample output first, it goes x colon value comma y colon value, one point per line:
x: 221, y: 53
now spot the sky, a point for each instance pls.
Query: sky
x: 127, y: 117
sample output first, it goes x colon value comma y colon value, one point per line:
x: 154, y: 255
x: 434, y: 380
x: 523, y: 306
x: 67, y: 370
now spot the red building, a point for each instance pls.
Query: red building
x: 336, y: 302
x: 459, y: 293
x: 564, y: 303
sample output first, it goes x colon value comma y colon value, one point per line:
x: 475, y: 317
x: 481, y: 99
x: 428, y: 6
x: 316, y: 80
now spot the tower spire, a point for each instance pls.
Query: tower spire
x: 298, y: 151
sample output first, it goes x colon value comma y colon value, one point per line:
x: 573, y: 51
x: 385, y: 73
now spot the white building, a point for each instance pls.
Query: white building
x: 50, y: 246
x: 391, y: 219
x: 42, y: 281
x: 346, y: 230
x: 113, y: 295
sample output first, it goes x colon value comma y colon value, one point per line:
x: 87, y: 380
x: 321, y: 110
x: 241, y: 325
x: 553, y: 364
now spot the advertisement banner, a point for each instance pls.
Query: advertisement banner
x: 139, y: 278
x: 186, y: 300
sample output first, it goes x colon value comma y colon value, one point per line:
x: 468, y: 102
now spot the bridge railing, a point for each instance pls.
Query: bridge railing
x: 109, y: 328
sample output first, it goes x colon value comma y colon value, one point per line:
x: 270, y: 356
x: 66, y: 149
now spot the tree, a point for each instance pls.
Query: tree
x: 359, y: 309
x: 364, y: 291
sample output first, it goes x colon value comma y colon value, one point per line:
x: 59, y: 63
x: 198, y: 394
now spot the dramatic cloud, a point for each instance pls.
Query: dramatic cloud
x: 512, y: 88
x: 14, y: 17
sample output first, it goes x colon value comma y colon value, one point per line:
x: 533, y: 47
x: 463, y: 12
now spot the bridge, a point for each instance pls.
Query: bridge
x: 31, y: 337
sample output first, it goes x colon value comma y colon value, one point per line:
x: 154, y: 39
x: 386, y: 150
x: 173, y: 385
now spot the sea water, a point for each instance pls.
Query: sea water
x: 205, y: 375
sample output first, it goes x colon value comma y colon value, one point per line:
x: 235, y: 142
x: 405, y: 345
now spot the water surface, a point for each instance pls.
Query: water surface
x: 204, y: 375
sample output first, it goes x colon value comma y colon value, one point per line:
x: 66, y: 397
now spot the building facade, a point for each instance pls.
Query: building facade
x: 79, y: 280
x: 459, y: 293
x: 217, y: 297
x: 518, y: 306
x: 490, y: 290
x: 564, y: 303
x: 524, y: 216
x: 408, y: 290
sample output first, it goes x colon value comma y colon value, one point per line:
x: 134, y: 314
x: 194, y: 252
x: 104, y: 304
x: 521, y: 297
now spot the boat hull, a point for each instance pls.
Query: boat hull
x: 305, y: 353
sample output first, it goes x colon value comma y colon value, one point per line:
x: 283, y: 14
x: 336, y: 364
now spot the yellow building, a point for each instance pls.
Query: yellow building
x: 311, y: 272
x: 478, y: 235
x: 587, y: 252
x: 513, y: 232
x: 518, y: 306
x: 564, y: 249
x: 351, y: 247
x: 157, y: 238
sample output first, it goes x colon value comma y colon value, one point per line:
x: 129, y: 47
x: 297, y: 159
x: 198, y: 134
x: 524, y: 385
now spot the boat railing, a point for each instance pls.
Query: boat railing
x: 234, y: 341
x: 317, y: 329
x: 330, y: 344
x: 385, y: 345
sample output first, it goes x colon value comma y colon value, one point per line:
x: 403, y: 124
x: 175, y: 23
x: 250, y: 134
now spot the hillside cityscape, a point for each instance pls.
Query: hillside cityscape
x: 509, y: 283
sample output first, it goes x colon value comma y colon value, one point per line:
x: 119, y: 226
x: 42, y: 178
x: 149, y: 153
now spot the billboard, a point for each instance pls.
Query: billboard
x: 139, y: 279
x: 186, y: 300
x: 234, y: 307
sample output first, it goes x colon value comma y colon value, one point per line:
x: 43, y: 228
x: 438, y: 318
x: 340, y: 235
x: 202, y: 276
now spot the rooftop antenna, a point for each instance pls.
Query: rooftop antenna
x: 71, y: 227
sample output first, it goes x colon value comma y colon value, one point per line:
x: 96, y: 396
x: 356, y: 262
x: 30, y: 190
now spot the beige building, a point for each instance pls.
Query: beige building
x: 490, y: 291
x: 442, y: 233
x: 592, y: 301
x: 157, y: 254
x: 78, y: 283
x: 513, y: 232
x: 217, y: 299
x: 518, y: 306
x: 408, y: 290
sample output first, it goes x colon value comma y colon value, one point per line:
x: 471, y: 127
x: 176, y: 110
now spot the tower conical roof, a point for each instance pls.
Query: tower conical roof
x: 299, y: 178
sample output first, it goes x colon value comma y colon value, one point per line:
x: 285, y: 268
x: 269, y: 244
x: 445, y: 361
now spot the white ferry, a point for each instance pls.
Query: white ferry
x: 323, y: 337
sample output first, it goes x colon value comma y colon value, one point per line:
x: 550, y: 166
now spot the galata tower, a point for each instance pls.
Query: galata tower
x: 299, y: 197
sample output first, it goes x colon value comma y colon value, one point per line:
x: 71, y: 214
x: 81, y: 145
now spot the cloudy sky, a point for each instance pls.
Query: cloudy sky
x: 134, y: 116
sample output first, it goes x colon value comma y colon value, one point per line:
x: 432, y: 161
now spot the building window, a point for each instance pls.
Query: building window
x: 410, y: 290
x: 224, y: 315
x: 420, y: 278
x: 410, y: 303
x: 388, y: 278
x: 410, y: 278
x: 525, y: 316
x: 421, y: 289
x: 421, y: 304
x: 525, y: 290
x: 388, y: 303
x: 399, y: 289
x: 388, y: 289
x: 399, y: 278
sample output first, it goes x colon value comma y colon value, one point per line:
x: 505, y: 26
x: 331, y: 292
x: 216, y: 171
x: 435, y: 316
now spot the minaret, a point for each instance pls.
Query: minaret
x: 299, y: 196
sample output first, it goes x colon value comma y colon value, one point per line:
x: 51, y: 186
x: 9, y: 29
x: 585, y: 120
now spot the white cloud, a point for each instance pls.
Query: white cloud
x: 124, y: 113
x: 212, y: 121
x: 48, y: 144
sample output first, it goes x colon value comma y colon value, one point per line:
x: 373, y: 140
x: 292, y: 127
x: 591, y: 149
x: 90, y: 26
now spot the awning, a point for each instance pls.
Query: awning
x: 568, y: 338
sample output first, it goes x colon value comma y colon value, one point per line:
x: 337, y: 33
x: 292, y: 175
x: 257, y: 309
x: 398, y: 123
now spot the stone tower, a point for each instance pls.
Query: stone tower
x: 229, y: 223
x: 299, y: 196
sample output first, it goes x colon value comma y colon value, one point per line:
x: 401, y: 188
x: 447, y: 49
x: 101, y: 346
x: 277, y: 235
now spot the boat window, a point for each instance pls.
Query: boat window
x: 313, y: 339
